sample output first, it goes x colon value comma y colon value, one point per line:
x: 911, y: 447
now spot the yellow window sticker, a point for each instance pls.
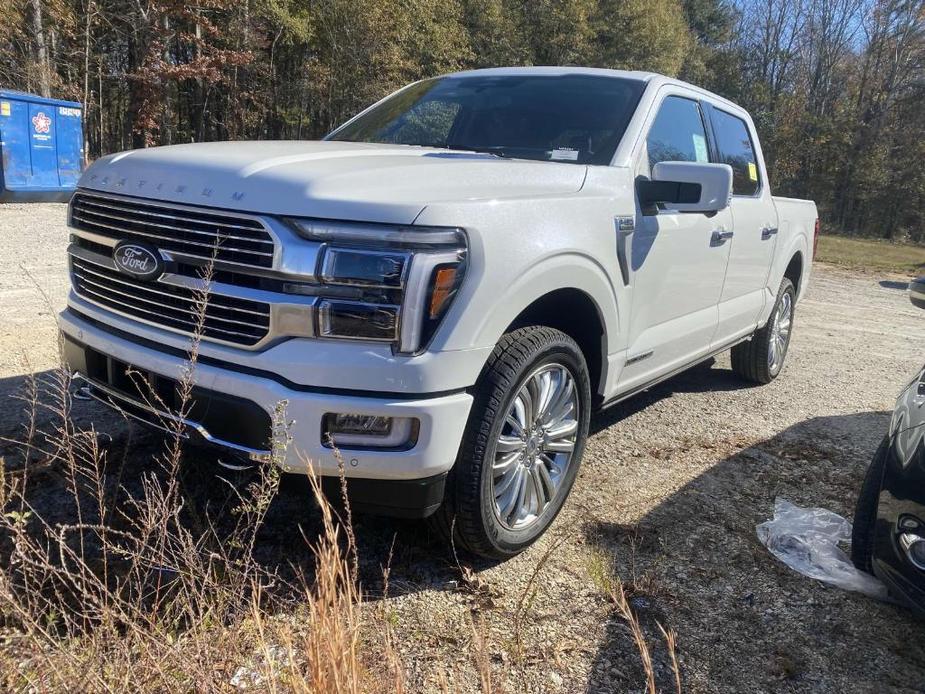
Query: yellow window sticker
x: 4, y: 108
x: 752, y: 172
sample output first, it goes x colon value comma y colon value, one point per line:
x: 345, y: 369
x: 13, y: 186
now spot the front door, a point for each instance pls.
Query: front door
x: 676, y: 260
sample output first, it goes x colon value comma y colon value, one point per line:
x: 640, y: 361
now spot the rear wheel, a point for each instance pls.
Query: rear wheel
x: 523, y: 444
x: 761, y: 358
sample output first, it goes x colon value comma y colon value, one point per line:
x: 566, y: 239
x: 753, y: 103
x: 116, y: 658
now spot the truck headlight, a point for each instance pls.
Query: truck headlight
x: 384, y: 283
x: 358, y: 321
x: 364, y: 268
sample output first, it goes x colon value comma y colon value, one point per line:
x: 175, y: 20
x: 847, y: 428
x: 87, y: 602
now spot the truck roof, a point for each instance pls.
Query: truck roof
x: 555, y: 70
x: 552, y: 70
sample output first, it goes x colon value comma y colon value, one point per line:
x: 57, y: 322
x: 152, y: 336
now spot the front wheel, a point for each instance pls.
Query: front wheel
x: 522, y: 446
x: 761, y: 358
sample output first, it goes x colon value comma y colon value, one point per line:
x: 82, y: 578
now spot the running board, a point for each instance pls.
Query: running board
x: 671, y: 374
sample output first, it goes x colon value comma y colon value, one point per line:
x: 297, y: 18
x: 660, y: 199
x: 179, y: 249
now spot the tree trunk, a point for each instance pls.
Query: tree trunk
x: 41, y: 53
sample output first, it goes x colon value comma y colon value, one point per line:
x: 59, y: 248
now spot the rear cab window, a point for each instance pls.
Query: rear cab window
x: 735, y: 147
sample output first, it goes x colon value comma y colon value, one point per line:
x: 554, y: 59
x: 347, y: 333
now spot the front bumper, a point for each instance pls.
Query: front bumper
x: 442, y: 418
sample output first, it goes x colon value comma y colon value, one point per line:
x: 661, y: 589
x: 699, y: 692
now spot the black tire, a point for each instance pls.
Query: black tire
x: 865, y: 512
x: 750, y: 359
x: 468, y: 517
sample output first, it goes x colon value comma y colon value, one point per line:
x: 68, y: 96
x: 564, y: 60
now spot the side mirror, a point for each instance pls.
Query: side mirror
x: 686, y: 186
x: 917, y: 292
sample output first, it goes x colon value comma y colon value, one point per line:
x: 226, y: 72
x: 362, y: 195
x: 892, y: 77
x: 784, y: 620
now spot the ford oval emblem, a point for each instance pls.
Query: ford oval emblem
x: 138, y: 260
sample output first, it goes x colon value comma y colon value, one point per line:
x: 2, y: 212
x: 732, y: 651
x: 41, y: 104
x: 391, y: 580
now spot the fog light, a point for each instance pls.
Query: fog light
x: 914, y: 547
x: 350, y: 430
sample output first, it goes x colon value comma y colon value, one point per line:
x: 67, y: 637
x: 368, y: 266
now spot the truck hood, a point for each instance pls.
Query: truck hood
x: 335, y: 180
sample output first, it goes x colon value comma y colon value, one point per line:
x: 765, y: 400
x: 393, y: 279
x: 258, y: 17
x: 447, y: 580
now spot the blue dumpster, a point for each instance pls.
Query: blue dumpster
x: 41, y: 147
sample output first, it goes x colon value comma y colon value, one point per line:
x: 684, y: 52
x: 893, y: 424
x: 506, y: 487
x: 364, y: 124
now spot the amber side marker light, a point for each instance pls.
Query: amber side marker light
x: 444, y: 287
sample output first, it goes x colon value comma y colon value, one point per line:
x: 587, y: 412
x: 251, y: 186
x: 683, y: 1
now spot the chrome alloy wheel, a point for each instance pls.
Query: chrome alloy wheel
x: 535, y: 446
x: 780, y: 332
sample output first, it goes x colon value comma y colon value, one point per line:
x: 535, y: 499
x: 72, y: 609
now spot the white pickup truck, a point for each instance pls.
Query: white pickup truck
x: 445, y: 287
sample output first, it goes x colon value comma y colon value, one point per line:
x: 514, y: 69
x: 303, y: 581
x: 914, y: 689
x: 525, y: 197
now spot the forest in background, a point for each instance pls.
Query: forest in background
x: 836, y: 87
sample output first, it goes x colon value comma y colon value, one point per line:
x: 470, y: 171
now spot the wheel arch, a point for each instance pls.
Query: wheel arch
x: 570, y: 293
x: 794, y: 270
x: 793, y: 260
x: 573, y: 312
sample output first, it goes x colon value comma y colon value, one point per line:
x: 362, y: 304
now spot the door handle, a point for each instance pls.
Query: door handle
x: 768, y: 232
x: 720, y: 236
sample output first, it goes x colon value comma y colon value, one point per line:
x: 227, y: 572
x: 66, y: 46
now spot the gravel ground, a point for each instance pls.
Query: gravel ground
x: 671, y: 489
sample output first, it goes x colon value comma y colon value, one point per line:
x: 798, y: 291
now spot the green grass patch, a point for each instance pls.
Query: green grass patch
x: 869, y: 254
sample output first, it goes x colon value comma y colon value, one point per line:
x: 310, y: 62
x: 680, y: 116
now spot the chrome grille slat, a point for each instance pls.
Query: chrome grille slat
x: 186, y: 230
x: 171, y: 306
x: 221, y: 235
x: 184, y: 255
x: 212, y: 297
x: 157, y: 316
x: 218, y: 247
x: 161, y: 215
x: 162, y: 306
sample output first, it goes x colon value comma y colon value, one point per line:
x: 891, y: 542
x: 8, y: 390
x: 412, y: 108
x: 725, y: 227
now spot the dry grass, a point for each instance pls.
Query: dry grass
x: 609, y: 584
x: 130, y: 597
x: 871, y: 255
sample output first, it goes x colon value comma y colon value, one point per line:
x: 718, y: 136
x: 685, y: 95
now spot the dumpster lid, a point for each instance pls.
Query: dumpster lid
x: 34, y: 98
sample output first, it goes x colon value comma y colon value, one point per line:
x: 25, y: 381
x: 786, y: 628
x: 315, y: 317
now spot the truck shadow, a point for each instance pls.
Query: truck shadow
x: 744, y: 621
x: 702, y: 378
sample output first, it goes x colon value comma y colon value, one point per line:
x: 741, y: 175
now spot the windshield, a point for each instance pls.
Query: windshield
x: 567, y: 118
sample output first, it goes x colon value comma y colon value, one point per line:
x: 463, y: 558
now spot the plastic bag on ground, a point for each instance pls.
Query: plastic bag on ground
x: 806, y: 540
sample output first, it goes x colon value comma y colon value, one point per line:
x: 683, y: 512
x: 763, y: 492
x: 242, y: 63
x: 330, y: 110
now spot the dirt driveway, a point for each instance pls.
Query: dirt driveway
x: 671, y: 489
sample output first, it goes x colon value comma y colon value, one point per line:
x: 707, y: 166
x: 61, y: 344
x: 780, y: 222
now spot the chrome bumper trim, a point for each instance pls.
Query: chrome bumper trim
x: 114, y: 397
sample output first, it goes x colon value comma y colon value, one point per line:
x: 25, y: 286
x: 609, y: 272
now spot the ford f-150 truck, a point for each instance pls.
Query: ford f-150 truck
x: 445, y: 287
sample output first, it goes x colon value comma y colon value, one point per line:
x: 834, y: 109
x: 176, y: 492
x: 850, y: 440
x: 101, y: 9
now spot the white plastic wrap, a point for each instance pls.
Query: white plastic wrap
x: 806, y: 540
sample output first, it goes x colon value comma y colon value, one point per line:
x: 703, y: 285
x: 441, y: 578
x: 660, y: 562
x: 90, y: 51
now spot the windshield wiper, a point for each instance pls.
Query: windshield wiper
x: 497, y: 150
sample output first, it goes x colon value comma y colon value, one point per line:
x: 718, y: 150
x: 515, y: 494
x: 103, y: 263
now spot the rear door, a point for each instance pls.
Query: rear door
x: 754, y: 225
x: 676, y: 266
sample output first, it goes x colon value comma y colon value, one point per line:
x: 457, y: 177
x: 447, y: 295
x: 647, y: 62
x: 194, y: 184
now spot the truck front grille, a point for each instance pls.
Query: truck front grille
x: 229, y: 319
x: 192, y: 232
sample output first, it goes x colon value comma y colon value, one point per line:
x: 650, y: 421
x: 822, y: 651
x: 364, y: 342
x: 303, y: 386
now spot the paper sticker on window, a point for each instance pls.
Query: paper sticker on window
x: 564, y: 154
x: 752, y: 172
x: 4, y: 108
x: 700, y: 148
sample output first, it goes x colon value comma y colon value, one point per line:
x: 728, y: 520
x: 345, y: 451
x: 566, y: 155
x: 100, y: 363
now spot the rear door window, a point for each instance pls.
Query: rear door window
x: 736, y: 149
x: 678, y: 133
